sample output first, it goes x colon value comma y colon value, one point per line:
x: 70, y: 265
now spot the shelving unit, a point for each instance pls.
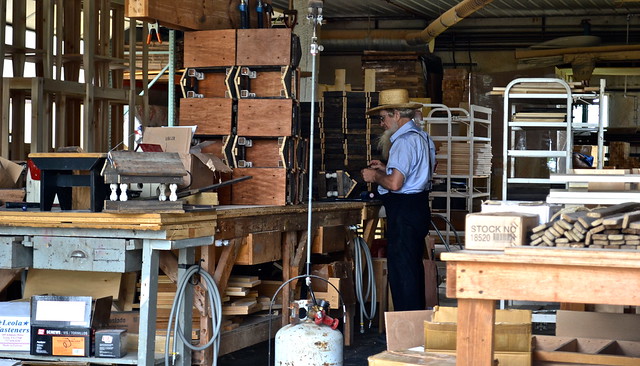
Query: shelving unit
x: 463, y: 141
x: 554, y: 104
x: 544, y: 105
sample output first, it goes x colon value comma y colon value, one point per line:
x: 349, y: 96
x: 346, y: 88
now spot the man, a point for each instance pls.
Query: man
x: 404, y: 184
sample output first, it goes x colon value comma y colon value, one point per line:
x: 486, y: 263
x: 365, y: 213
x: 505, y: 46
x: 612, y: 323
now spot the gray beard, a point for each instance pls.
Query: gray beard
x: 384, y: 142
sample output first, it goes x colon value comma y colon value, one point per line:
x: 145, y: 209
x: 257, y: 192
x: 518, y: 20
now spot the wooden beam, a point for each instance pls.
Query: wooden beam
x: 475, y: 322
x: 185, y: 14
x: 526, y: 53
x: 289, y: 242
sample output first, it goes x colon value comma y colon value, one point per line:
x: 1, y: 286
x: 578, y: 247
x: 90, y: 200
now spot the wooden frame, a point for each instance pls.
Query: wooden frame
x: 477, y: 279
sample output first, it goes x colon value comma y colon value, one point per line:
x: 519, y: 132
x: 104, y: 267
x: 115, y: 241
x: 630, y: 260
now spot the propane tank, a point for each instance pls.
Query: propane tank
x: 310, y: 339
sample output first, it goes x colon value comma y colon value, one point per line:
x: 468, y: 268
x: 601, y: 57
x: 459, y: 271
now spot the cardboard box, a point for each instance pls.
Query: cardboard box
x: 409, y: 358
x: 111, y: 343
x: 405, y: 329
x: 544, y: 210
x: 14, y: 326
x: 511, y: 339
x: 127, y: 320
x: 586, y: 324
x: 178, y: 139
x: 10, y: 174
x: 64, y: 325
x: 585, y: 351
x: 498, y: 230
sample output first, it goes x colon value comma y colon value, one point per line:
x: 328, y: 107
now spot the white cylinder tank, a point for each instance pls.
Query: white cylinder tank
x: 308, y: 344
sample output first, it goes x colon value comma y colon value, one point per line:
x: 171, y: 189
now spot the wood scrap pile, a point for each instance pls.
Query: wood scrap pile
x: 613, y: 227
x: 460, y: 158
x: 243, y: 298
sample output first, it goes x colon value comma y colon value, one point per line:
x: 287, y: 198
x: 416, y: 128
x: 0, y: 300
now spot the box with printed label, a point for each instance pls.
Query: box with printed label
x: 64, y: 325
x: 498, y: 230
x: 14, y: 326
x: 53, y: 341
x: 111, y: 343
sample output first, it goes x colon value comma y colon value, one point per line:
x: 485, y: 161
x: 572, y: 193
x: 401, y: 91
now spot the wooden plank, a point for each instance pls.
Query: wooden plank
x: 267, y: 46
x: 72, y: 283
x: 265, y: 117
x: 226, y: 262
x: 210, y: 48
x: 623, y: 207
x: 198, y: 111
x: 475, y: 321
x: 250, y: 332
x: 186, y: 14
x: 525, y: 53
x: 127, y: 162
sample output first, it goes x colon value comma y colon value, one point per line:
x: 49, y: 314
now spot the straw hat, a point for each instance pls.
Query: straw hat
x: 394, y: 99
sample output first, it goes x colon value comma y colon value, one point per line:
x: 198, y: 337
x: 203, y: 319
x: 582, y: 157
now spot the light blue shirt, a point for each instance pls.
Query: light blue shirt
x: 413, y: 154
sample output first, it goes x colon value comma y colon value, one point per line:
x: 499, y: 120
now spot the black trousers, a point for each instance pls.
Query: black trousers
x: 408, y: 220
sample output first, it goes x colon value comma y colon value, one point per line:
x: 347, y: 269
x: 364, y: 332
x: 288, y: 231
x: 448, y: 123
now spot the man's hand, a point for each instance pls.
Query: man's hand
x: 378, y: 165
x: 369, y: 175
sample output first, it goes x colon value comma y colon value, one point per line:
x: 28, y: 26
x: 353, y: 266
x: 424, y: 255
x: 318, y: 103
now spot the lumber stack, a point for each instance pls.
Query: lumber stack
x: 613, y: 227
x: 347, y: 135
x: 461, y: 158
x: 397, y: 70
x: 545, y: 88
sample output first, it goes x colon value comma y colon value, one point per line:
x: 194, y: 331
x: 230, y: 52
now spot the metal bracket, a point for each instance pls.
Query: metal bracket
x: 192, y: 94
x: 247, y: 94
x: 195, y: 74
x: 243, y: 141
x: 244, y: 164
x: 245, y: 71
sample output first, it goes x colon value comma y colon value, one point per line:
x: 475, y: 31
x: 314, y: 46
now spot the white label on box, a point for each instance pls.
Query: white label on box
x: 14, y: 333
x: 70, y: 311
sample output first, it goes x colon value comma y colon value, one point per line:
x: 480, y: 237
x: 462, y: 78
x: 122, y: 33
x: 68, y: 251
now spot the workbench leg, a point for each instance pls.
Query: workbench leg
x: 186, y: 257
x: 475, y: 332
x: 289, y: 242
x: 148, y: 304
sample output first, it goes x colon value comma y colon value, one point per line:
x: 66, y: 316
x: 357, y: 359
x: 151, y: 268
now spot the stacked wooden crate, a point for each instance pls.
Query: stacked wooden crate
x: 240, y: 89
x: 455, y: 87
x: 347, y: 135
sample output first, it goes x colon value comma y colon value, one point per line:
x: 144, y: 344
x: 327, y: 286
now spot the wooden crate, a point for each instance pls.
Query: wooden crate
x: 329, y: 239
x: 264, y: 47
x: 265, y: 152
x: 210, y: 48
x: 572, y: 351
x: 266, y: 82
x: 265, y: 117
x: 211, y: 115
x: 214, y: 83
x: 260, y: 248
x: 269, y: 186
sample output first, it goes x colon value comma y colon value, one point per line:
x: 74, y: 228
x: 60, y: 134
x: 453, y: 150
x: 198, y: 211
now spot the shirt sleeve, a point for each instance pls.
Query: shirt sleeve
x: 400, y: 156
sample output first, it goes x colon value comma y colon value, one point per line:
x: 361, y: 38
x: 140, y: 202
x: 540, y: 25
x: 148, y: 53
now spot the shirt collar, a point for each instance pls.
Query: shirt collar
x: 411, y: 125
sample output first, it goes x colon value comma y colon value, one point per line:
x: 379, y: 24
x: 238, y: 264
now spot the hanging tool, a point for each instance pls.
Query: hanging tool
x: 260, y: 14
x: 244, y: 14
x: 153, y: 28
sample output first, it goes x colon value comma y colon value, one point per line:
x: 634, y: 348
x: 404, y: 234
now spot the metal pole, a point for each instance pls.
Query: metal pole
x: 315, y: 15
x: 172, y: 73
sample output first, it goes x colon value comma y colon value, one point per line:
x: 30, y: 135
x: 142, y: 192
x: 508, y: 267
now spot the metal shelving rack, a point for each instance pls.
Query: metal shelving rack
x: 560, y: 101
x: 462, y: 127
x: 513, y: 101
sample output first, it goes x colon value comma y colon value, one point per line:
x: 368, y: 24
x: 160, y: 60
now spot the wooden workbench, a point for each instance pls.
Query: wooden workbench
x: 477, y: 279
x: 157, y: 234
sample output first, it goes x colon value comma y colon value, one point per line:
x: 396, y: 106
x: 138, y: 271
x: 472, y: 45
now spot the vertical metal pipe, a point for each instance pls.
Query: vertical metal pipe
x: 172, y: 74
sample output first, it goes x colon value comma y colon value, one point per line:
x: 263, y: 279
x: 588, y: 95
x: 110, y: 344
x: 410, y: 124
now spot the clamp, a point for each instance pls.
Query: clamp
x: 153, y: 28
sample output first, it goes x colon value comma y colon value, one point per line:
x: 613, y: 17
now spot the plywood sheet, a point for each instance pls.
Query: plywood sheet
x: 267, y: 187
x: 210, y: 48
x: 264, y: 47
x: 265, y: 117
x: 211, y: 115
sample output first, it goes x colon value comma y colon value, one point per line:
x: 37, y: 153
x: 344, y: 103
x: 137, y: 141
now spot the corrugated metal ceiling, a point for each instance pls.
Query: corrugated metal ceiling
x: 431, y: 9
